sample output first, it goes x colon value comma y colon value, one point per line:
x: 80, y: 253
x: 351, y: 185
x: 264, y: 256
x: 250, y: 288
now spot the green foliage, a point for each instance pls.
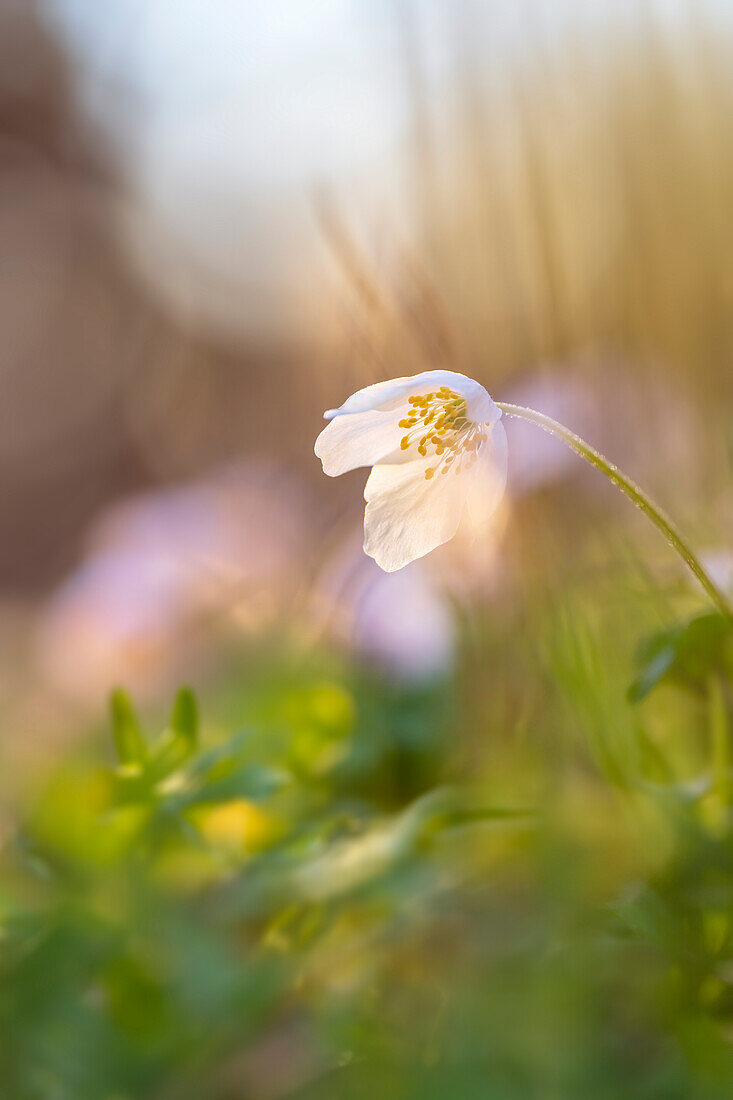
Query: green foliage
x: 686, y: 654
x: 352, y: 894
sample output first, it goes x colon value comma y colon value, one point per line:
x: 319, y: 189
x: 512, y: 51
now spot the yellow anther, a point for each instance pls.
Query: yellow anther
x: 443, y: 413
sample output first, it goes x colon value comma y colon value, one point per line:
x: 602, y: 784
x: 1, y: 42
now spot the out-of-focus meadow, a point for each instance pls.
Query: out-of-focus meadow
x: 462, y: 831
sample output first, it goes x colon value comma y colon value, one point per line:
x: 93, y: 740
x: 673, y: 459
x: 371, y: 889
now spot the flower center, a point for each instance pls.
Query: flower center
x: 439, y: 422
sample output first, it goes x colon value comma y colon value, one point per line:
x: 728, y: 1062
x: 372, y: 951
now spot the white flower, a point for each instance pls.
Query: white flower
x: 437, y: 448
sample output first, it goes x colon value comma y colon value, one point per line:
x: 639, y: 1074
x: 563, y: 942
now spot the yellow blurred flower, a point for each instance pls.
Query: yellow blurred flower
x: 239, y: 827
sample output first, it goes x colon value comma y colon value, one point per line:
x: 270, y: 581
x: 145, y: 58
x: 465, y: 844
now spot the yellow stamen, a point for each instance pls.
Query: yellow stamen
x: 444, y: 414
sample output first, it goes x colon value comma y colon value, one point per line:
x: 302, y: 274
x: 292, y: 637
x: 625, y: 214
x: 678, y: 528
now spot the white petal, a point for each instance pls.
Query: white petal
x: 407, y: 516
x: 487, y: 479
x: 374, y: 397
x: 358, y: 439
x: 389, y: 395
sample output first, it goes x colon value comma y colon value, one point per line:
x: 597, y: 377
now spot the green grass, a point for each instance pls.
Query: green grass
x: 514, y: 882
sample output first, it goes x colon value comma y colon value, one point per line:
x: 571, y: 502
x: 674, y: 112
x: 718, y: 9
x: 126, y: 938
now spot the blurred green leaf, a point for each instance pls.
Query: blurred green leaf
x: 129, y: 740
x: 184, y: 722
x: 180, y: 739
x: 208, y: 763
x: 685, y: 655
x: 648, y: 915
x: 250, y: 781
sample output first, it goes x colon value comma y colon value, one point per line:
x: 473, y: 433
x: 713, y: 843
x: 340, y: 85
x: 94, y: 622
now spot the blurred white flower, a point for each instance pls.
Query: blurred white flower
x: 437, y: 450
x: 161, y: 566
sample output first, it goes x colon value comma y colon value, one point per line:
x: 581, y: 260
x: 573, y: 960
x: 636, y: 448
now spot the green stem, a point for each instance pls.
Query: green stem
x: 632, y: 491
x: 719, y: 739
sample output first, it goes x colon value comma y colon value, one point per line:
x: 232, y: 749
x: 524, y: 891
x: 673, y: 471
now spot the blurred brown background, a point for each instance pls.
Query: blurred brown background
x: 218, y: 220
x: 105, y: 389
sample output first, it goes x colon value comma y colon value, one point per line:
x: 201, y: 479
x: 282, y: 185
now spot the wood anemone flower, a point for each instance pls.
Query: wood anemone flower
x: 437, y: 449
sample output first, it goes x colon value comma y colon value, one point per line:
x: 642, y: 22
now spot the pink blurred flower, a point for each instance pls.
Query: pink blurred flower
x: 402, y: 622
x: 537, y: 458
x: 162, y: 568
x: 608, y: 403
x: 719, y: 565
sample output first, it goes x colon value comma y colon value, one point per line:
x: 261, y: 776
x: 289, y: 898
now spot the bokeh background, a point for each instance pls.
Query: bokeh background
x: 218, y: 220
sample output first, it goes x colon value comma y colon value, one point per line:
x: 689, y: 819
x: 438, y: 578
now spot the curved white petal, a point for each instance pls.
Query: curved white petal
x: 389, y: 395
x: 406, y: 515
x: 358, y: 439
x: 378, y: 396
x: 486, y: 479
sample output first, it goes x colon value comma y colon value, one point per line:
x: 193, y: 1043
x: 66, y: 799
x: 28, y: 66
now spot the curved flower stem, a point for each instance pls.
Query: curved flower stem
x: 632, y: 491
